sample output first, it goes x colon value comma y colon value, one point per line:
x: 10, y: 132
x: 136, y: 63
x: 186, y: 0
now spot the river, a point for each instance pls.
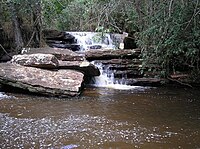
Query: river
x: 102, y: 118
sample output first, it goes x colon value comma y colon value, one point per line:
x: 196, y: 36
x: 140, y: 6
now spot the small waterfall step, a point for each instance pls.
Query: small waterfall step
x: 107, y: 80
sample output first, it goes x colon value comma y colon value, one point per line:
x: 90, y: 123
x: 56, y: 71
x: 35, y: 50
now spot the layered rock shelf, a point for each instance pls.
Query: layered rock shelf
x: 63, y: 72
x: 104, y: 54
x: 48, y: 71
x: 126, y: 65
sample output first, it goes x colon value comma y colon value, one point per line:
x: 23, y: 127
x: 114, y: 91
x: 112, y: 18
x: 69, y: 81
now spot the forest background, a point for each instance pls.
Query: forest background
x: 167, y: 31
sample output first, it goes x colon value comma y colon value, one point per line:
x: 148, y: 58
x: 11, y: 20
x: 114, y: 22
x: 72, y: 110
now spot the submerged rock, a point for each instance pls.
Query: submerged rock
x: 54, y: 83
x: 36, y: 60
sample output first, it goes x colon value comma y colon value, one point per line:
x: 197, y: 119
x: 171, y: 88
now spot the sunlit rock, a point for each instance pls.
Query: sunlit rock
x: 60, y: 54
x: 36, y: 60
x: 53, y: 83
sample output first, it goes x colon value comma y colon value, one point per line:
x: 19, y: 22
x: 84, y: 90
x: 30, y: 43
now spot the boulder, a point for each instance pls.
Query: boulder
x: 84, y: 66
x: 54, y: 83
x: 60, y: 54
x: 58, y: 39
x: 36, y: 60
x: 106, y: 54
x: 58, y: 36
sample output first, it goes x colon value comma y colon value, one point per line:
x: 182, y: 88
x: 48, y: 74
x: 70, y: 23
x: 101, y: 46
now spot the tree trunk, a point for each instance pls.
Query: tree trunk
x: 16, y: 27
x: 38, y: 23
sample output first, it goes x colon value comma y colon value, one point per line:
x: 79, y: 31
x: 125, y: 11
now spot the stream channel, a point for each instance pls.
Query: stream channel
x: 113, y: 116
x: 102, y: 118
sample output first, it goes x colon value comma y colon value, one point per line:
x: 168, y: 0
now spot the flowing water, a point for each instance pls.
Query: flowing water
x: 107, y: 79
x: 102, y: 118
x: 94, y: 40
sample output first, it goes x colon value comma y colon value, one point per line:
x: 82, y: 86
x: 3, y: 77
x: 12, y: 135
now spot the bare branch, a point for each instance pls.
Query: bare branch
x: 5, y: 51
x: 174, y: 80
x: 170, y: 7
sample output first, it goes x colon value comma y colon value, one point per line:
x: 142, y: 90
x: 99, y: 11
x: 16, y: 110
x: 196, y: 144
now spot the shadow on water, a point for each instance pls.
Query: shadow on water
x: 102, y: 118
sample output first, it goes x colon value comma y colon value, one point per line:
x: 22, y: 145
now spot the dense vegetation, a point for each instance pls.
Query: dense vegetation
x: 167, y: 31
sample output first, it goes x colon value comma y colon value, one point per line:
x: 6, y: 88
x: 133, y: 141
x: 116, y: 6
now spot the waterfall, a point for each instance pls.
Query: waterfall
x: 95, y: 40
x: 107, y: 79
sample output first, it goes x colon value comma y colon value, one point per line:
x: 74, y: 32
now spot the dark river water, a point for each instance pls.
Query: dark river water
x: 102, y: 118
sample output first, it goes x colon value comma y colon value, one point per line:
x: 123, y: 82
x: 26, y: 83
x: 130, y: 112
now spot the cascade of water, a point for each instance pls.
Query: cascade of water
x: 93, y: 40
x: 107, y: 79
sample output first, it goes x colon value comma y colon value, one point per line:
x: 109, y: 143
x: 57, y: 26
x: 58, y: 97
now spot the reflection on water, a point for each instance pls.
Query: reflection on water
x: 103, y: 118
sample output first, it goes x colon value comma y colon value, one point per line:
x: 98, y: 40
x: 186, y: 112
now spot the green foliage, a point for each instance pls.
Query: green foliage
x: 167, y: 31
x: 88, y: 15
x: 170, y: 36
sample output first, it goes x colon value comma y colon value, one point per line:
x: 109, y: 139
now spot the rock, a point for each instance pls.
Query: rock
x: 129, y: 43
x: 54, y: 83
x: 58, y: 36
x: 106, y: 54
x: 73, y: 47
x: 36, y: 60
x: 84, y: 66
x: 57, y: 39
x: 144, y: 81
x: 129, y: 68
x: 60, y: 54
x: 120, y: 61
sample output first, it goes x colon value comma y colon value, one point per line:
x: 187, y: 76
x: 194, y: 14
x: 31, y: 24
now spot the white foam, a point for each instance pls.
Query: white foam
x: 121, y: 87
x: 3, y: 95
x: 107, y: 80
x: 87, y: 39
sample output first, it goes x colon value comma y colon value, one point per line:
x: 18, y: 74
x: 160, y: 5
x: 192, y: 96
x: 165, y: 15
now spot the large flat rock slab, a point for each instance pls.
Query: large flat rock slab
x: 53, y: 83
x: 60, y: 54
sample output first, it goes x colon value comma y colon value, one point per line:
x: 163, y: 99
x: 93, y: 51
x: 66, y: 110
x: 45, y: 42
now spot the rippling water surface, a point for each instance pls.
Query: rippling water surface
x: 102, y: 118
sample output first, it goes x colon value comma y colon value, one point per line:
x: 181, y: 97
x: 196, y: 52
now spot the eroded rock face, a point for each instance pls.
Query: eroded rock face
x: 36, y: 60
x: 106, y: 54
x: 84, y: 66
x: 54, y: 83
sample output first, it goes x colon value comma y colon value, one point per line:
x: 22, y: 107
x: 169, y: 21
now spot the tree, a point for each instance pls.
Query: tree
x: 170, y: 35
x: 16, y: 26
